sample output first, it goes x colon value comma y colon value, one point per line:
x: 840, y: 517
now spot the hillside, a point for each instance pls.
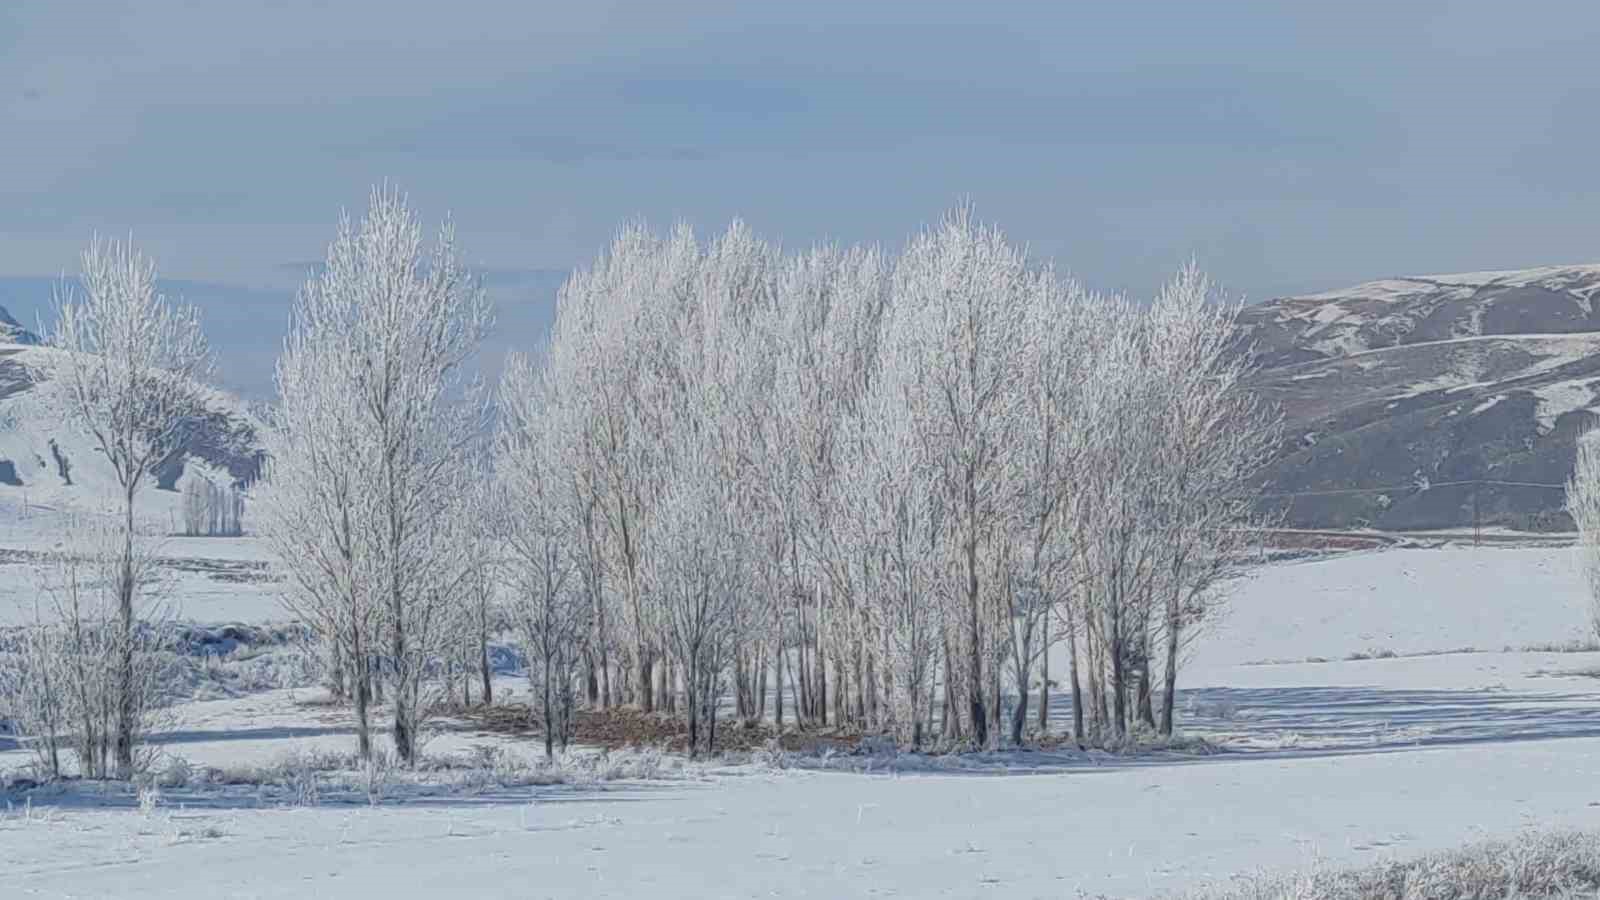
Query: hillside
x: 48, y: 466
x: 1418, y: 384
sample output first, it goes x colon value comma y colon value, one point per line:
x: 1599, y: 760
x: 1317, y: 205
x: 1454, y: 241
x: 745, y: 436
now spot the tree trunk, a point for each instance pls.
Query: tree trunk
x: 646, y: 689
x: 821, y: 695
x: 777, y: 679
x: 975, y: 685
x: 1146, y: 713
x: 363, y: 689
x: 1119, y: 686
x: 549, y: 717
x: 843, y: 714
x: 761, y: 685
x: 874, y: 719
x: 1019, y: 716
x: 1044, y: 678
x: 994, y: 703
x: 404, y: 689
x: 802, y: 673
x: 694, y: 720
x: 1077, y: 685
x: 487, y: 695
x: 126, y: 711
x: 336, y: 675
x: 591, y: 680
x: 1169, y: 696
x: 711, y: 712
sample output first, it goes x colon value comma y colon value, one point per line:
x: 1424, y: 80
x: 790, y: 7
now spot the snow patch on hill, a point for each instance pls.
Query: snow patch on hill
x: 49, y: 466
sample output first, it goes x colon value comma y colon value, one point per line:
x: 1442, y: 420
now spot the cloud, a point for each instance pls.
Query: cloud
x: 1352, y: 139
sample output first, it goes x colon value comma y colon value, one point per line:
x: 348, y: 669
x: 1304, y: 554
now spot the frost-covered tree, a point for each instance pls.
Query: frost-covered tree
x: 957, y: 350
x: 604, y: 349
x: 127, y: 371
x: 870, y: 477
x: 63, y: 680
x: 1583, y: 503
x: 1047, y: 471
x: 315, y: 501
x: 552, y: 612
x: 482, y: 511
x: 381, y: 337
x: 1217, y: 436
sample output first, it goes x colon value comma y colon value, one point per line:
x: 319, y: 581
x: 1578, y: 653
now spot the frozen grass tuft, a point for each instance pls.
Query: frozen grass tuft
x: 1571, y: 646
x: 1374, y: 653
x: 312, y: 777
x: 1537, y: 865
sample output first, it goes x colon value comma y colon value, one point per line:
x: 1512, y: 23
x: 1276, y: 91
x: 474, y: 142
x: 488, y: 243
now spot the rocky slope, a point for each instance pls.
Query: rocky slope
x: 1431, y: 402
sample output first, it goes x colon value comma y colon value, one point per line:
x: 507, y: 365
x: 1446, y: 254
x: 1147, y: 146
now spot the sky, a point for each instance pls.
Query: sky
x: 1290, y: 147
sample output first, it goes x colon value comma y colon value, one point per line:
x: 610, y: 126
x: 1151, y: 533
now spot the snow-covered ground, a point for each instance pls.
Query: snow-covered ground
x: 1402, y: 601
x: 1123, y: 831
x: 205, y: 580
x: 1344, y: 760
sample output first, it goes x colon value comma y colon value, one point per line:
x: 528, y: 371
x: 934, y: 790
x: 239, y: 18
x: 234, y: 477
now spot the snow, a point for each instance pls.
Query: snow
x: 207, y: 579
x: 1124, y: 831
x: 1347, y: 761
x: 1393, y: 289
x: 1408, y: 600
x: 1374, y: 315
x: 1388, y: 290
x: 1487, y: 405
x: 30, y: 425
x: 1556, y: 400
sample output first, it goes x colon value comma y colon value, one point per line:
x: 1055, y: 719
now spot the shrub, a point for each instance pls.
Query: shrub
x: 1548, y: 864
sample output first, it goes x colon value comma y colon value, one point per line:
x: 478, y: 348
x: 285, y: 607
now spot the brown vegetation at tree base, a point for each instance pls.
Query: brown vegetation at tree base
x: 623, y: 727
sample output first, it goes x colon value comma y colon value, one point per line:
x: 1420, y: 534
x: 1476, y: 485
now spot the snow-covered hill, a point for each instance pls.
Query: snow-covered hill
x: 12, y: 331
x: 1436, y: 380
x: 48, y: 467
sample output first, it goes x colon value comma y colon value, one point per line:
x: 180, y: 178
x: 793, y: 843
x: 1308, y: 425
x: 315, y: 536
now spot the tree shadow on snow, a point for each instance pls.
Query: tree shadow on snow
x: 1351, y: 718
x: 1244, y: 724
x: 73, y: 795
x: 1241, y: 724
x: 248, y: 734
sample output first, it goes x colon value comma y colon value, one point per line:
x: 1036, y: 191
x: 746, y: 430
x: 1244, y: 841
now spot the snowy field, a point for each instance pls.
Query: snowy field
x: 1343, y: 761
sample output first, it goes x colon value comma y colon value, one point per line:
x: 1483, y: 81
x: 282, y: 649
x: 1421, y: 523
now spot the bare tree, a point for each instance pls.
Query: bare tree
x: 1218, y: 436
x: 540, y: 534
x: 481, y: 556
x: 1583, y: 503
x: 127, y: 371
x: 874, y: 478
x: 380, y: 339
x: 64, y: 681
x: 957, y: 349
x: 604, y: 352
x: 1063, y: 318
x: 316, y: 507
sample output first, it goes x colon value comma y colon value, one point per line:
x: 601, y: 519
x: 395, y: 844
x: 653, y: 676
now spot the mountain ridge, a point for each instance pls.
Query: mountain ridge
x: 1479, y: 382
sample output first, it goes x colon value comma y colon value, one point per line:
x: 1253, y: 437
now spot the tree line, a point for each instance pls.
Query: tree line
x: 835, y: 488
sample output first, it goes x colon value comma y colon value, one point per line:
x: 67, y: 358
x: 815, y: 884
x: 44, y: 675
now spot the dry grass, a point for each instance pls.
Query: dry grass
x: 622, y: 728
x: 1562, y: 864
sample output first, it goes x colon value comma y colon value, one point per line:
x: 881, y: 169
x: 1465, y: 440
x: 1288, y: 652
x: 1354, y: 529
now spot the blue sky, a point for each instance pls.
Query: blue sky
x: 1290, y: 146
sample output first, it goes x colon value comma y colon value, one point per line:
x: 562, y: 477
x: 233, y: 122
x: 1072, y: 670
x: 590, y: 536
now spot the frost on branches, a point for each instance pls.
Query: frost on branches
x: 878, y: 491
x: 127, y: 369
x: 839, y: 488
x: 375, y: 425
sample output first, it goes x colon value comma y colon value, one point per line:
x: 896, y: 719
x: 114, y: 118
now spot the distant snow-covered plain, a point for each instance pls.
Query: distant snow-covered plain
x: 1340, y: 759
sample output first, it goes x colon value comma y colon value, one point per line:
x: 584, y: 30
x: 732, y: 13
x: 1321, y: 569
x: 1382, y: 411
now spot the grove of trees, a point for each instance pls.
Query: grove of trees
x: 878, y: 491
x: 840, y: 488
